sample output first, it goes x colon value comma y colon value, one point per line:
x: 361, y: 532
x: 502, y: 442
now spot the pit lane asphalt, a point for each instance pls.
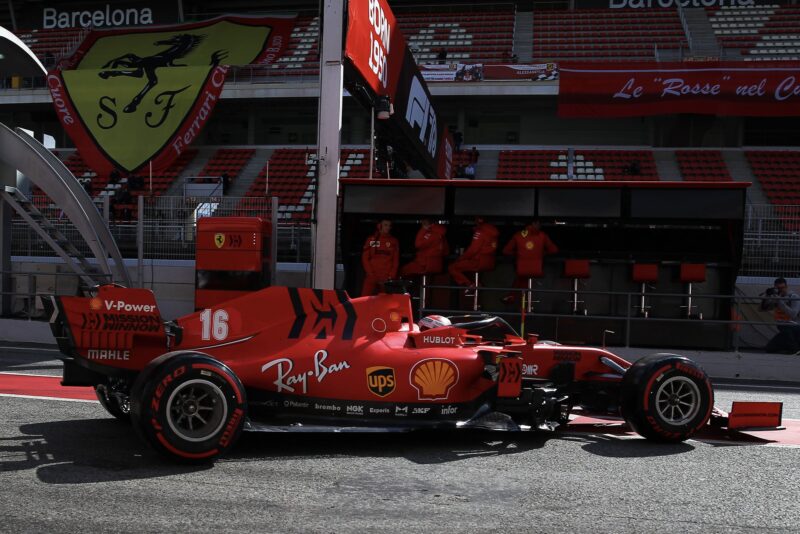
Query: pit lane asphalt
x: 68, y: 466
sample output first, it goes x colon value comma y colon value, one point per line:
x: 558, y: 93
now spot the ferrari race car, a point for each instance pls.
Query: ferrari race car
x: 284, y: 359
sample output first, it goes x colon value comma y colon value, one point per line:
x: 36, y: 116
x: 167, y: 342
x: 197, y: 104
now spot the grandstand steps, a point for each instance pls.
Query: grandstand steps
x: 192, y: 169
x: 523, y: 36
x: 701, y: 33
x: 58, y: 242
x: 250, y: 172
x: 486, y: 169
x: 740, y: 170
x: 667, y: 166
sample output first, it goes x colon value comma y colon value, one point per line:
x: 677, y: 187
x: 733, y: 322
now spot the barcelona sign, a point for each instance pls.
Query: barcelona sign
x: 132, y: 97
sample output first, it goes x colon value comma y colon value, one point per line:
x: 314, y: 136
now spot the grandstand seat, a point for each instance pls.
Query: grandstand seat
x: 702, y: 166
x: 289, y: 175
x: 50, y: 45
x: 643, y: 274
x: 760, y: 32
x: 576, y: 270
x: 227, y: 161
x: 606, y: 34
x: 587, y: 165
x: 692, y: 273
x: 477, y: 36
x: 777, y: 172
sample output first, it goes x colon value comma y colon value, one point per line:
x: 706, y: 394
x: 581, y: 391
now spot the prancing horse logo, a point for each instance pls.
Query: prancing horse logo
x: 132, y: 65
x: 219, y: 240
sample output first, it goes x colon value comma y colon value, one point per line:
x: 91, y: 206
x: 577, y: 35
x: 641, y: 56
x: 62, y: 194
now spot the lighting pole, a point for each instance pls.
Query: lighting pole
x: 331, y: 76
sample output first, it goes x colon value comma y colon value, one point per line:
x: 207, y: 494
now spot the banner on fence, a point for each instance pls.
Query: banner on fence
x: 130, y: 97
x: 725, y: 88
x: 475, y: 72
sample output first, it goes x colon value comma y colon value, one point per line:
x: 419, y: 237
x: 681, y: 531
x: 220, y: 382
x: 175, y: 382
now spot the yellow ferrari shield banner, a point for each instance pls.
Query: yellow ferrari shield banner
x: 129, y: 97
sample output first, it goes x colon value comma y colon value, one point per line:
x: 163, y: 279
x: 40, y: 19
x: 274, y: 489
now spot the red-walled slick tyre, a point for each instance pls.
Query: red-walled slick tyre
x: 666, y: 397
x: 188, y: 406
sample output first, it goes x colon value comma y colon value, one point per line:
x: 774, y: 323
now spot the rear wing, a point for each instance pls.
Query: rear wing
x: 117, y: 327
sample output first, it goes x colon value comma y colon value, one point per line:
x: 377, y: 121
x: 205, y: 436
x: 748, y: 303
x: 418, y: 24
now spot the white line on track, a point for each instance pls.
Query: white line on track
x: 756, y: 387
x: 44, y: 398
x: 3, y: 347
x: 28, y: 374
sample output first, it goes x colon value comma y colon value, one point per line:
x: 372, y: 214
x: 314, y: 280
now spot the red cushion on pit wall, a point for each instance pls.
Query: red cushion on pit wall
x: 645, y: 272
x: 693, y: 272
x: 576, y: 269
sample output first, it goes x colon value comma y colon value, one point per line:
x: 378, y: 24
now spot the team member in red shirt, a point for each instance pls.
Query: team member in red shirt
x: 529, y: 245
x: 431, y: 249
x: 480, y: 256
x: 380, y: 258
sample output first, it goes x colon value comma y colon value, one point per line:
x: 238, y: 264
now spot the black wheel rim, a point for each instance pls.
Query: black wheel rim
x: 196, y: 410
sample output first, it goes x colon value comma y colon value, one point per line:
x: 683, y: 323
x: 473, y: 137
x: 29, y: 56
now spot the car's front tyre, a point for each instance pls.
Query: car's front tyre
x: 189, y: 407
x: 666, y: 397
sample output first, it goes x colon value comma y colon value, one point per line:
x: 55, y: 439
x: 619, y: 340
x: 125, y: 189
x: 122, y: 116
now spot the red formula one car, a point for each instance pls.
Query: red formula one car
x: 303, y: 359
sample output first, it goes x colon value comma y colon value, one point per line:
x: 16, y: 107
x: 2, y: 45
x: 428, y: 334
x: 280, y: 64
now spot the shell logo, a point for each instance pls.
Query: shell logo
x: 394, y: 317
x: 95, y: 304
x: 529, y: 245
x: 434, y: 378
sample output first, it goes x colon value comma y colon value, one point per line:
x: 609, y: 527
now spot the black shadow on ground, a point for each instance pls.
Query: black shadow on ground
x: 81, y: 451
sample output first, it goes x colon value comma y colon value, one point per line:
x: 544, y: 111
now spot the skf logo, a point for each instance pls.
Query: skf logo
x: 380, y: 380
x: 95, y: 304
x: 434, y: 378
x: 219, y: 240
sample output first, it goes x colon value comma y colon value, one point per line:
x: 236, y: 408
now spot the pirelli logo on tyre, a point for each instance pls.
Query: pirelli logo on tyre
x: 381, y: 380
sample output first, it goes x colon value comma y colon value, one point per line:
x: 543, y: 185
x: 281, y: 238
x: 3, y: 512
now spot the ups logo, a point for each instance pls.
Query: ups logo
x: 380, y: 380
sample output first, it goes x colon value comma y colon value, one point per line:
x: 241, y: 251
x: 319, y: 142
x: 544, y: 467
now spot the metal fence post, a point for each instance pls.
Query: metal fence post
x: 273, y: 247
x: 140, y: 242
x: 628, y: 322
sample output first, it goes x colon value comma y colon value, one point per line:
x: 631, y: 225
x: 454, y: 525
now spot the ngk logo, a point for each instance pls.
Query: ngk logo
x: 121, y: 305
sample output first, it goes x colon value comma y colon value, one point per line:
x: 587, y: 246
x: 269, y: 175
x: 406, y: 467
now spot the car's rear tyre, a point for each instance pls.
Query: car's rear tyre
x: 119, y: 408
x: 666, y: 397
x: 189, y: 407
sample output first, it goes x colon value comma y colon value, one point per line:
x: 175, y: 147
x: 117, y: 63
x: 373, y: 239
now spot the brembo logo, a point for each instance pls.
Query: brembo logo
x: 420, y: 113
x: 119, y: 305
x: 52, y: 18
